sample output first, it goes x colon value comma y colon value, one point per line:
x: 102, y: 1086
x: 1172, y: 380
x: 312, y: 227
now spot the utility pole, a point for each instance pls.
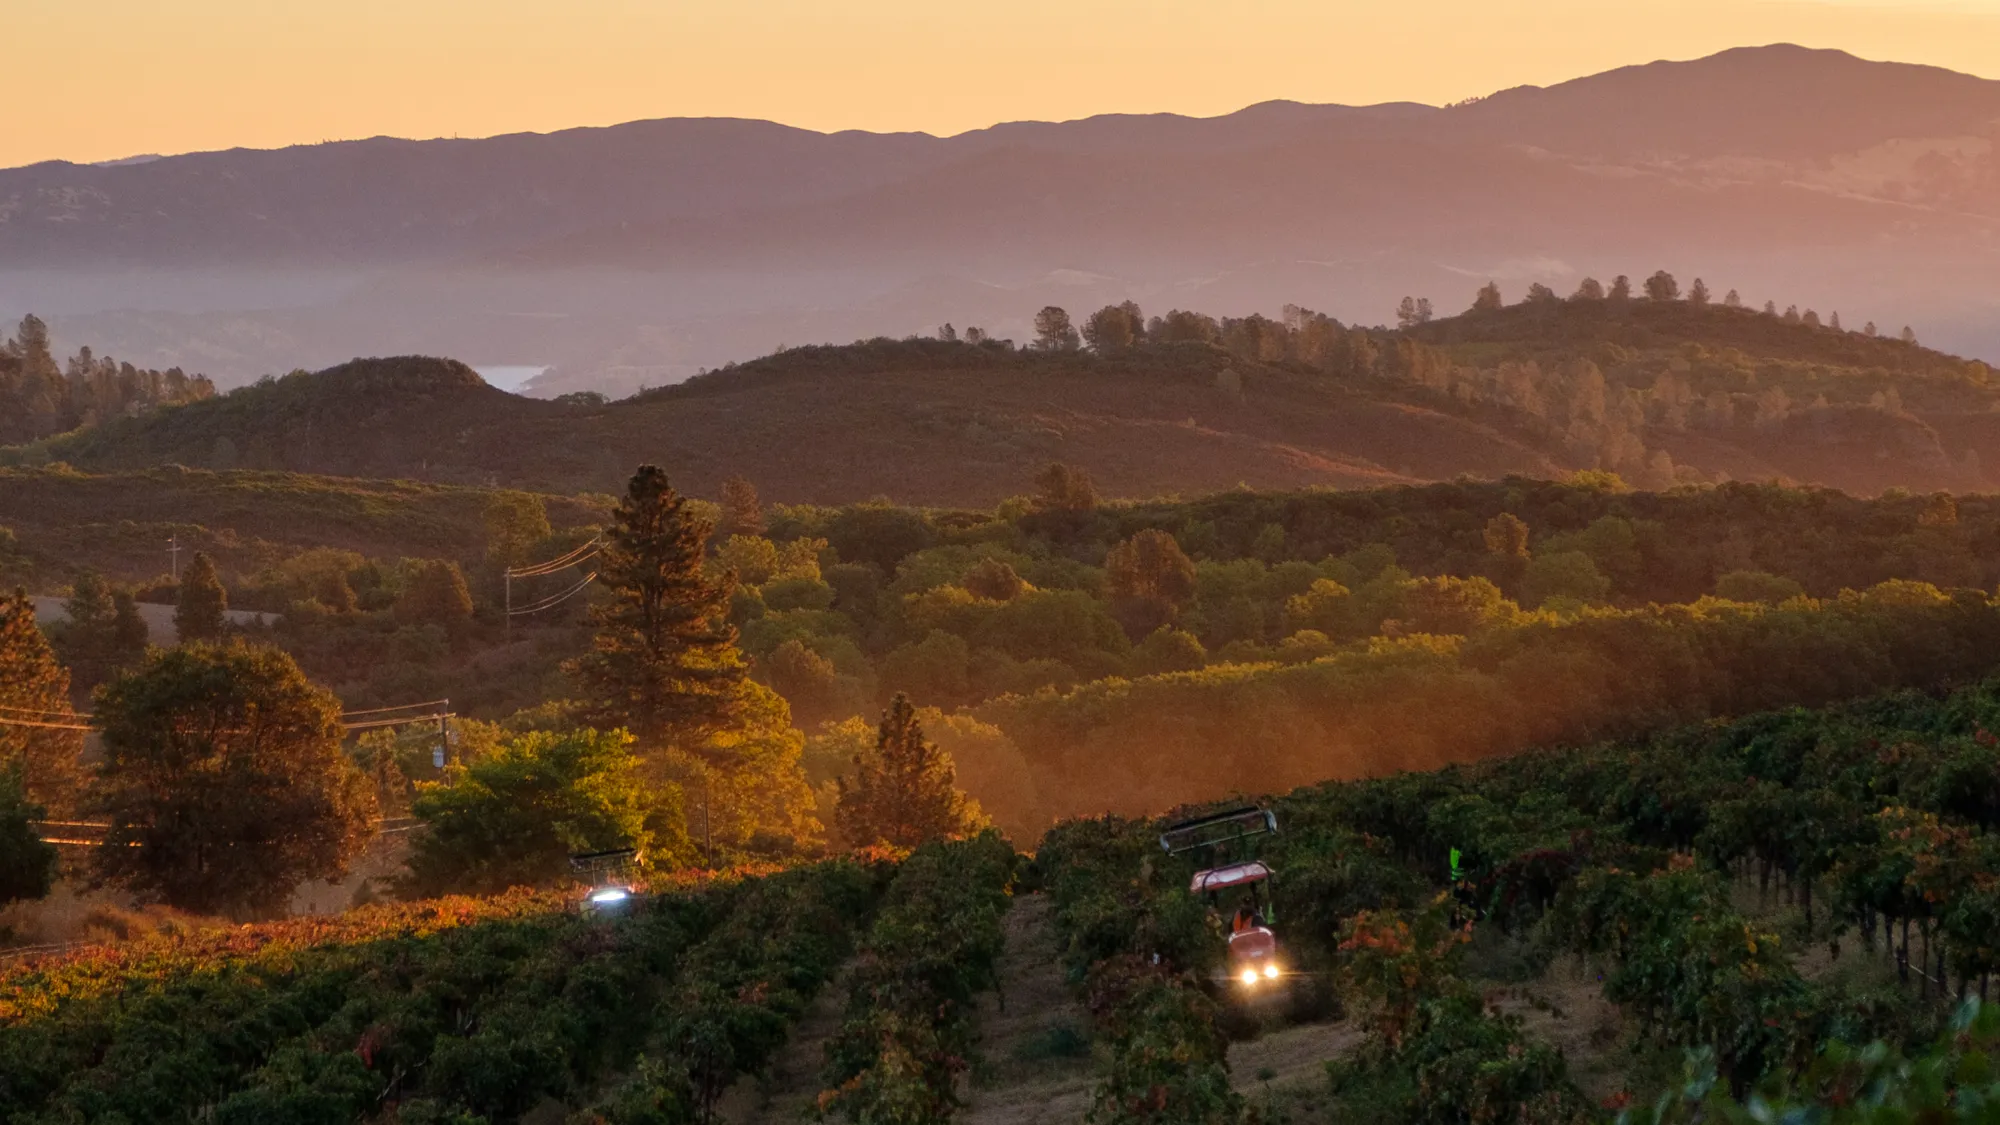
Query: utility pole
x: 508, y: 577
x: 174, y: 559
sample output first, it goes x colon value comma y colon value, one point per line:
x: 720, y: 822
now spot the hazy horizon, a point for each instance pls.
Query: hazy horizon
x: 249, y: 77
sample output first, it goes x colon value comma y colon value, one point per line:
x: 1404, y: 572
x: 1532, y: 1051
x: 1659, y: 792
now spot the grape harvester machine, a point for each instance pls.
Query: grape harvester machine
x: 1225, y: 844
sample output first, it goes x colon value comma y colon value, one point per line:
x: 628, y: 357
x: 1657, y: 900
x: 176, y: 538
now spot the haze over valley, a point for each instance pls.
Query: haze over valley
x: 637, y: 255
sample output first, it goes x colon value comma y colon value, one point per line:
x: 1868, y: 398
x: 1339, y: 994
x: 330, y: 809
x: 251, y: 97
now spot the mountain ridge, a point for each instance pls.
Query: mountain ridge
x: 640, y: 253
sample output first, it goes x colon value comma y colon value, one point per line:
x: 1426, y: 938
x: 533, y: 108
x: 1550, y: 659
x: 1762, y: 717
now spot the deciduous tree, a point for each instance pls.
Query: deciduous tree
x: 514, y: 817
x: 1507, y: 536
x: 224, y: 782
x: 1060, y: 488
x: 994, y: 580
x: 1149, y: 577
x: 1054, y: 332
x: 437, y: 595
x: 1114, y: 328
x: 514, y: 522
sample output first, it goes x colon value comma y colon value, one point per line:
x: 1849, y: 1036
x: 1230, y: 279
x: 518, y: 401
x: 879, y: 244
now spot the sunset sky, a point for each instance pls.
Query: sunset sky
x: 102, y: 79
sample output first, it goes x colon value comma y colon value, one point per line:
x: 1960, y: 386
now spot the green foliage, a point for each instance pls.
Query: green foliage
x: 27, y: 865
x: 1417, y: 702
x: 1148, y: 576
x: 1951, y: 1081
x: 513, y: 817
x: 1168, y: 649
x: 38, y: 399
x: 437, y: 595
x: 1571, y: 575
x: 1169, y: 1060
x: 223, y: 781
x: 514, y: 522
x: 201, y: 604
x: 664, y: 663
x: 1757, y: 586
x: 905, y: 793
x: 934, y: 946
x: 34, y: 688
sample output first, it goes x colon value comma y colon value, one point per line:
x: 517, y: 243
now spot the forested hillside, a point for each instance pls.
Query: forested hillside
x: 1659, y: 386
x: 40, y: 399
x: 1078, y: 653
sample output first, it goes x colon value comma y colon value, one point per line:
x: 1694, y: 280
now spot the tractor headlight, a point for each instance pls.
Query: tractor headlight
x: 1271, y: 971
x: 1249, y: 977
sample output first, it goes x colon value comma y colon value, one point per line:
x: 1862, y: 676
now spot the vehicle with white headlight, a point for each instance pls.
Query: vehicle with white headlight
x: 1252, y: 961
x: 612, y: 877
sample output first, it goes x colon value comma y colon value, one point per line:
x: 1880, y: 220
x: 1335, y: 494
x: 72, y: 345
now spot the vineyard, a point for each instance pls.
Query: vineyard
x: 1752, y: 896
x: 1756, y: 901
x: 487, y: 1010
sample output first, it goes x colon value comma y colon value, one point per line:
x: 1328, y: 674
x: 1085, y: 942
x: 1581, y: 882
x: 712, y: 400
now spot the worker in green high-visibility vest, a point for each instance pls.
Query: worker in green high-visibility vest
x: 1463, y: 910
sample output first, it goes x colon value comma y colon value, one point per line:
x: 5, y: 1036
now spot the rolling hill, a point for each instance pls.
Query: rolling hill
x: 1535, y: 389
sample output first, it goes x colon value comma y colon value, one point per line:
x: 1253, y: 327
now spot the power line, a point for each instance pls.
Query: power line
x: 45, y: 711
x: 401, y: 707
x: 562, y: 562
x: 44, y: 724
x: 374, y: 724
x: 576, y: 557
x: 5, y: 721
x: 556, y: 599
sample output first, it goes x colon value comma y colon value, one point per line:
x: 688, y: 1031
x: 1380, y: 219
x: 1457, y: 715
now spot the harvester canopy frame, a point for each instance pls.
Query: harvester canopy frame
x: 611, y: 865
x: 1214, y: 831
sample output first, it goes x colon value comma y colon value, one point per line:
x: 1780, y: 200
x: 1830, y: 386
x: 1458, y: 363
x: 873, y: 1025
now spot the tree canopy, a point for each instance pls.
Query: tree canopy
x: 223, y: 781
x: 664, y: 663
x: 35, y: 701
x: 515, y: 816
x: 905, y: 791
x: 201, y: 605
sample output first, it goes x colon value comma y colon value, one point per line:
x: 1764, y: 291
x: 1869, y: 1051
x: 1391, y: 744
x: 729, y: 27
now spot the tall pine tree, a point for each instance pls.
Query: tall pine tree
x: 85, y: 639
x: 202, y: 607
x: 129, y: 634
x: 906, y: 791
x: 742, y: 511
x: 664, y: 664
x: 34, y: 699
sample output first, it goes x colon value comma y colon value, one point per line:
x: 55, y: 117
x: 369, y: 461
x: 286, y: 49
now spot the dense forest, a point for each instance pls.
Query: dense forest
x: 39, y: 399
x: 1065, y: 647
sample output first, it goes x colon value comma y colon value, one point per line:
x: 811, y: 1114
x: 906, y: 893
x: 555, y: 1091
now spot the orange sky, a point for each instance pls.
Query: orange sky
x: 99, y: 79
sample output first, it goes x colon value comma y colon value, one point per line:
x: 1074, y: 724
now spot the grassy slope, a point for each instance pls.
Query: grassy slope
x: 949, y: 424
x: 926, y: 433
x: 119, y: 523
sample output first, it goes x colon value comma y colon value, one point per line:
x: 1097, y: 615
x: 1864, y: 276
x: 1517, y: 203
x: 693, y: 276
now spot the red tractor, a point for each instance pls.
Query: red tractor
x: 1243, y: 882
